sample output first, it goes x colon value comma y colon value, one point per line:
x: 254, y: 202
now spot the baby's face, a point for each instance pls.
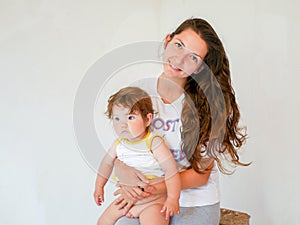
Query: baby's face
x: 127, y: 125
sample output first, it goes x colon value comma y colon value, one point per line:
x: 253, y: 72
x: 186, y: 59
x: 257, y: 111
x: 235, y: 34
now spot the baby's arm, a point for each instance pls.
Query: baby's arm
x: 172, y: 179
x: 104, y: 173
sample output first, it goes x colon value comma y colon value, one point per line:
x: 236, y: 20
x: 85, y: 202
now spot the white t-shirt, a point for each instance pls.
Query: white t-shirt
x: 167, y: 123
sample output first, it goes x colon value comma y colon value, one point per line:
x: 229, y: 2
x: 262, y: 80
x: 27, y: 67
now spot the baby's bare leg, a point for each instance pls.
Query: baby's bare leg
x: 152, y: 215
x: 110, y: 215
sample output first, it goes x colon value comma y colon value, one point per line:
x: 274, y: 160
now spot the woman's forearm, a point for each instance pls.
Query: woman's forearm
x: 128, y: 175
x: 189, y: 179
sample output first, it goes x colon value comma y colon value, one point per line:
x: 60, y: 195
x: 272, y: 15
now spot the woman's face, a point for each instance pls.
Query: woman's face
x: 183, y: 54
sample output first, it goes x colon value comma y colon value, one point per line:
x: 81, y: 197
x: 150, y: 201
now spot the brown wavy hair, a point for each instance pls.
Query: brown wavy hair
x: 210, y: 114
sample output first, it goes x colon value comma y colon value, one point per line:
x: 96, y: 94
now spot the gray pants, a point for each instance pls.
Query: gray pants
x: 200, y: 215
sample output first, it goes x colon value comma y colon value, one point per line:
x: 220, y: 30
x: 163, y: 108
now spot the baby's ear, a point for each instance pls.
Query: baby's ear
x: 149, y: 119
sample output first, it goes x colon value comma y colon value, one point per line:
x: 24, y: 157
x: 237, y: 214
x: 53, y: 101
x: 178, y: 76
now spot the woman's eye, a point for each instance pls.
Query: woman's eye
x: 131, y: 117
x: 178, y: 45
x: 116, y: 119
x: 194, y: 59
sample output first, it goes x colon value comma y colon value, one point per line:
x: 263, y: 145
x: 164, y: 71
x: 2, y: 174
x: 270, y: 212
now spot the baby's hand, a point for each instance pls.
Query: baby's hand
x: 170, y: 207
x: 99, y: 195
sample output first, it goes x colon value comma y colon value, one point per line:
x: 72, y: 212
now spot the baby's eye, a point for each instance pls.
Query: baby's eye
x: 115, y: 118
x: 131, y: 117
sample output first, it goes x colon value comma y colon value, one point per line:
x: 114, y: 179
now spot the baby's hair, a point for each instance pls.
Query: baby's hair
x: 133, y: 98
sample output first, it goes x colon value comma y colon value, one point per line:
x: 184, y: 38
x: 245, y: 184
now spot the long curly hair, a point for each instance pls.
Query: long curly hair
x: 210, y: 114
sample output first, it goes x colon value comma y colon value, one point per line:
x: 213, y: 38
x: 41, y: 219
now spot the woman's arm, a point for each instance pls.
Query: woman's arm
x: 131, y: 185
x: 128, y: 175
x: 189, y: 179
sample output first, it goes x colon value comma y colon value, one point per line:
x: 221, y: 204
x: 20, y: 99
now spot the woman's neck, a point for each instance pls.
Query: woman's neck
x: 170, y: 89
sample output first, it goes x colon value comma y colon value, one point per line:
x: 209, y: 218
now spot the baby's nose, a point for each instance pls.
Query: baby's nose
x: 124, y: 124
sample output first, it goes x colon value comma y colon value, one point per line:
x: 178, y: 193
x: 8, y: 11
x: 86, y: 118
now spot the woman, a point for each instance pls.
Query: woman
x: 198, y: 116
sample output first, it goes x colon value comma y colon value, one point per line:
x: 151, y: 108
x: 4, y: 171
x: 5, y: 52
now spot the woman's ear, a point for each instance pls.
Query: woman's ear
x: 167, y: 40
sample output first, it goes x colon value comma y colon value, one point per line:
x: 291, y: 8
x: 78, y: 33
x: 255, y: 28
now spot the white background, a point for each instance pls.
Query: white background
x: 46, y: 47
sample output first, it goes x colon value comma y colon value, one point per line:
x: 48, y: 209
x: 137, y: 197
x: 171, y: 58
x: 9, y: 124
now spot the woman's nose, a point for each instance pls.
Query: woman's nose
x: 180, y: 58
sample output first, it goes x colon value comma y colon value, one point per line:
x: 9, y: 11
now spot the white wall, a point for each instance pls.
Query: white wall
x: 46, y: 47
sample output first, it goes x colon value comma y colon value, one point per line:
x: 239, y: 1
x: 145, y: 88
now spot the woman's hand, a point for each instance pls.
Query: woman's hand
x: 137, y: 193
x: 129, y: 176
x: 128, y: 197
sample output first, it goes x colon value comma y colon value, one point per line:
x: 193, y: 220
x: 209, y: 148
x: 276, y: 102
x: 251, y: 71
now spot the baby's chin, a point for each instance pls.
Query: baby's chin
x: 127, y: 137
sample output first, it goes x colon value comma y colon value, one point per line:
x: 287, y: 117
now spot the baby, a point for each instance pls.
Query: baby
x: 131, y: 111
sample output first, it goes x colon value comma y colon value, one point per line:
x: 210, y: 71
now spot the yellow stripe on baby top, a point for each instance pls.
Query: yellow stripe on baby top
x: 137, y: 142
x: 148, y: 176
x: 149, y: 141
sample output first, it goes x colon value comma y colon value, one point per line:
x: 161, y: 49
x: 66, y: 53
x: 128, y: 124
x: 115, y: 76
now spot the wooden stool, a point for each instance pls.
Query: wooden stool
x: 230, y: 217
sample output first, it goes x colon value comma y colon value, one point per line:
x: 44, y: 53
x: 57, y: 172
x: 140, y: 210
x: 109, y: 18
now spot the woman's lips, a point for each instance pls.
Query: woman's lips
x: 174, y: 67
